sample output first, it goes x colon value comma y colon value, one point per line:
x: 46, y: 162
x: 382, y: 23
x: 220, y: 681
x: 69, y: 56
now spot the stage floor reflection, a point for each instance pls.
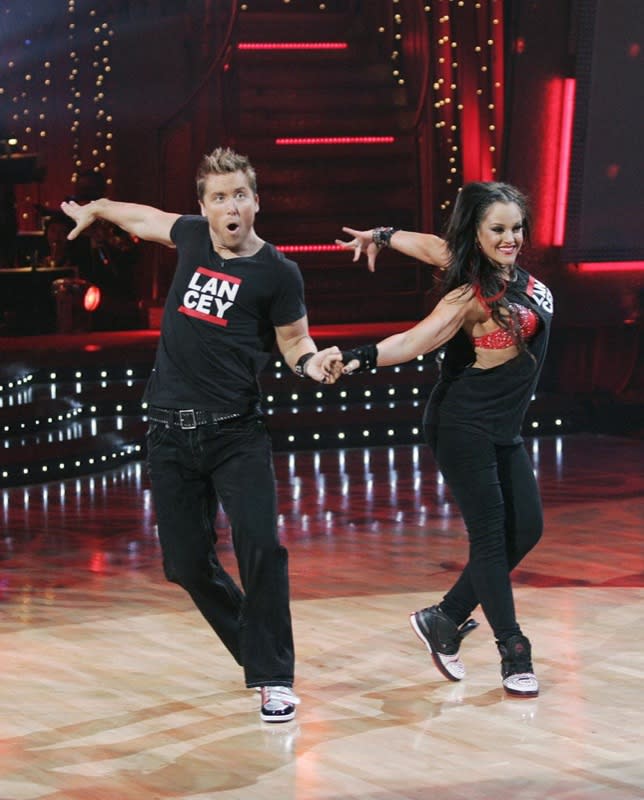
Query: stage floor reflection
x: 114, y: 687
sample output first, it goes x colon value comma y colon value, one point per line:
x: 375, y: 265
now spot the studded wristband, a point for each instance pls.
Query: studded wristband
x: 366, y: 355
x: 382, y: 236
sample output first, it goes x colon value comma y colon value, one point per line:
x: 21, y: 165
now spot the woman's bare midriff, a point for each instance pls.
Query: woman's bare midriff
x: 487, y: 358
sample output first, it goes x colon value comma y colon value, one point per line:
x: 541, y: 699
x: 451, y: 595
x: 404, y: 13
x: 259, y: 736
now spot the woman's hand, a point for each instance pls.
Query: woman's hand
x: 361, y: 242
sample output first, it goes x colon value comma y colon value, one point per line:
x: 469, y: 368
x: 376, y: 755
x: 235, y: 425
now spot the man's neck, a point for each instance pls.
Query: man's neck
x: 249, y: 247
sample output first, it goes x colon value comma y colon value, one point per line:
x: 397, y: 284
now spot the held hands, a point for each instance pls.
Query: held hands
x: 341, y: 363
x: 325, y: 366
x: 331, y: 363
x: 83, y: 216
x: 362, y: 242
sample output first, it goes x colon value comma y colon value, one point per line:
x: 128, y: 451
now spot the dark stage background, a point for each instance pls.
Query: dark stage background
x: 402, y: 104
x: 605, y: 204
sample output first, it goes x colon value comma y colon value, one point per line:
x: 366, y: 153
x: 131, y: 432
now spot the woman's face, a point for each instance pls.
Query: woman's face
x: 500, y: 234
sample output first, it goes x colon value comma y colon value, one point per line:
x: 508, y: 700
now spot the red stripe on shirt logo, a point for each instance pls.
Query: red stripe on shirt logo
x: 221, y: 276
x: 190, y: 312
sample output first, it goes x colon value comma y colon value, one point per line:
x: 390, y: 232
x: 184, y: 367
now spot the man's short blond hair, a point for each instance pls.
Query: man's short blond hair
x: 223, y: 161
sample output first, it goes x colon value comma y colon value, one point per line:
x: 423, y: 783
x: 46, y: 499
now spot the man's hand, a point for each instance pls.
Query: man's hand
x: 362, y: 242
x: 83, y: 216
x: 325, y: 366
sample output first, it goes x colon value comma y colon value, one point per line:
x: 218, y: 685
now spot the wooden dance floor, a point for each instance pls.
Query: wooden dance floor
x: 114, y: 688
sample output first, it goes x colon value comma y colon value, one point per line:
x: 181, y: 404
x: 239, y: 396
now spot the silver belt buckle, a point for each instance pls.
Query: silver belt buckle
x: 187, y: 420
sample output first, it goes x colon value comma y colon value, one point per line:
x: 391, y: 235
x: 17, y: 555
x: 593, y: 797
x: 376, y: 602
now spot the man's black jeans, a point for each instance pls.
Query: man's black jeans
x: 191, y: 471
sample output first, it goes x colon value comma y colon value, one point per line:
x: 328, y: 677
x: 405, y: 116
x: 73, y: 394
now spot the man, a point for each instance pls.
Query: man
x: 233, y: 295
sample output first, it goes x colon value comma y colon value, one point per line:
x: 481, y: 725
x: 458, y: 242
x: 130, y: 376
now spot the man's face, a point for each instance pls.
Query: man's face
x: 230, y: 206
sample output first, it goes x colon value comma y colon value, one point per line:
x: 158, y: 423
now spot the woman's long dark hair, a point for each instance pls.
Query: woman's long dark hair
x: 468, y: 266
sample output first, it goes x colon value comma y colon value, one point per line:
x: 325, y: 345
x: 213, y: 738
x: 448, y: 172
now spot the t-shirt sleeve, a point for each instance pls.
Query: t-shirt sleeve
x: 184, y: 226
x: 288, y: 302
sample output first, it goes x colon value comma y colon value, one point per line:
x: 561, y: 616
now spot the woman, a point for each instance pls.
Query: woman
x: 493, y: 322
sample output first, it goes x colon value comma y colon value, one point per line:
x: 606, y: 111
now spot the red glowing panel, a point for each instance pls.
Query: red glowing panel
x: 292, y: 46
x: 92, y: 298
x: 547, y: 162
x: 611, y: 266
x: 565, y: 145
x: 305, y: 140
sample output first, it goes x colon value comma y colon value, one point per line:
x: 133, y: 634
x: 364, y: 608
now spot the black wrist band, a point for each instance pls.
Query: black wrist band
x: 366, y: 355
x: 382, y: 236
x: 301, y: 365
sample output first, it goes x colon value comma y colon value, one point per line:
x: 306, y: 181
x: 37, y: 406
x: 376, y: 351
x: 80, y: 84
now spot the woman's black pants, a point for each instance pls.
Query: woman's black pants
x: 497, y: 494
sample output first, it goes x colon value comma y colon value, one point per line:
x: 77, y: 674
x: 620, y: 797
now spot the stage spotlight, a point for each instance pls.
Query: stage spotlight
x: 76, y: 300
x: 92, y: 298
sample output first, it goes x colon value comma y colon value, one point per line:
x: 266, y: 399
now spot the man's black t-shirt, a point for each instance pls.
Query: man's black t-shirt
x: 493, y: 401
x: 218, y: 322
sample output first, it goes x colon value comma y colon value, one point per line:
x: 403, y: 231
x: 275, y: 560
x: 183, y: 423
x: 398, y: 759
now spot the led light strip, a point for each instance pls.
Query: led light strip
x: 309, y: 248
x: 312, y: 140
x: 292, y: 46
x: 611, y: 266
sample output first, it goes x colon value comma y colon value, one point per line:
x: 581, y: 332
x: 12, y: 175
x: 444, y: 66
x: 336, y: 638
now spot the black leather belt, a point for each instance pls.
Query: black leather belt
x: 187, y: 418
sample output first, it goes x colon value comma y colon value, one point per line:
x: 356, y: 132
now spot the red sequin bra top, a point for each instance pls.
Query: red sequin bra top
x: 501, y: 337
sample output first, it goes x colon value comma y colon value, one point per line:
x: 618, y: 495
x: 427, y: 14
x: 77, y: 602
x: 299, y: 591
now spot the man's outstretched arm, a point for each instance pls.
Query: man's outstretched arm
x: 141, y: 221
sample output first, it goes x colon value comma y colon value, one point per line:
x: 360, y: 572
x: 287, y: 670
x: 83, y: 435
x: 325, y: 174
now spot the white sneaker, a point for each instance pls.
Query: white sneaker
x: 523, y: 684
x: 278, y: 704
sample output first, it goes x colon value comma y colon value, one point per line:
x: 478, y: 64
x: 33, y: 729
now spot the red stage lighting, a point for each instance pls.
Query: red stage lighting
x: 611, y: 266
x: 75, y: 300
x: 92, y: 298
x: 309, y: 248
x: 309, y: 140
x: 565, y: 146
x: 292, y: 46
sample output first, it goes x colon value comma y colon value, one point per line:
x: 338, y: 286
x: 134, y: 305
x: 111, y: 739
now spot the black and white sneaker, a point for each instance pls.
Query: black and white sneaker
x: 516, y: 667
x: 443, y: 638
x: 278, y: 703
